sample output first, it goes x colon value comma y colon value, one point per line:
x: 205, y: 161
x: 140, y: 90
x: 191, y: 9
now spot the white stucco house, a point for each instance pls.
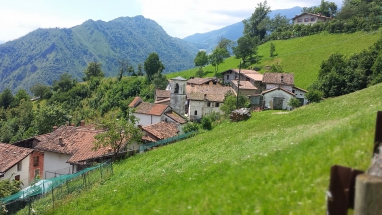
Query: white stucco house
x: 277, y: 98
x: 21, y: 164
x: 309, y: 19
x: 148, y: 113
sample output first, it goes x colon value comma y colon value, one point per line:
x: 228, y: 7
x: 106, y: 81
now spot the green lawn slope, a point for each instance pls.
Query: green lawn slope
x: 273, y: 163
x: 301, y: 56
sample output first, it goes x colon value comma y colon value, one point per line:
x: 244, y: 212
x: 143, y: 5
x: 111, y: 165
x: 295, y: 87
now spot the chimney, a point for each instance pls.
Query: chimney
x: 54, y: 128
x: 71, y: 124
x: 109, y: 150
x: 82, y: 123
x: 205, y: 96
x: 60, y: 141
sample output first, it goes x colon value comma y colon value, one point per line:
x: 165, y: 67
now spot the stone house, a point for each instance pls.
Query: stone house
x: 252, y: 76
x: 204, y: 99
x: 148, y: 113
x: 309, y: 19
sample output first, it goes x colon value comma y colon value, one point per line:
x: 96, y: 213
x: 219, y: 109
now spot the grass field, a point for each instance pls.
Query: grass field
x: 273, y: 163
x: 301, y: 56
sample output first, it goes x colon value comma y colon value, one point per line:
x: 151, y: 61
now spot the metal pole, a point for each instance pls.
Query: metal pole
x: 238, y: 88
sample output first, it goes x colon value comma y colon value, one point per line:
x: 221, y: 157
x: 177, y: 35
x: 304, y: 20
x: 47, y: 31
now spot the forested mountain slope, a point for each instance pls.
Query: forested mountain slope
x: 43, y: 55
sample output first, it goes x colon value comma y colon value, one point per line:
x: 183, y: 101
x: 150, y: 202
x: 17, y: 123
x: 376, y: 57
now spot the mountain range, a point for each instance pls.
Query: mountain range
x: 44, y: 54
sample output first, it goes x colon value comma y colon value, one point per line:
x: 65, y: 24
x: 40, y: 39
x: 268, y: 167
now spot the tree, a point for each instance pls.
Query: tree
x: 314, y: 96
x: 65, y: 83
x: 199, y: 73
x: 277, y: 68
x: 9, y: 187
x: 279, y: 23
x: 93, y: 70
x: 326, y: 8
x: 246, y: 47
x: 117, y: 135
x: 217, y: 57
x: 153, y: 65
x: 201, y: 59
x: 48, y: 116
x: 20, y: 95
x: 230, y: 102
x: 6, y: 98
x: 40, y: 90
x: 123, y: 65
x: 256, y: 26
x: 272, y: 50
x: 225, y: 43
x: 160, y: 81
x: 140, y: 70
x: 294, y: 103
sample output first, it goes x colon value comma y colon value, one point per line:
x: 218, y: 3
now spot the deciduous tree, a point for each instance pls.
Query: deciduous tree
x: 153, y: 65
x: 246, y: 47
x: 256, y: 25
x: 93, y: 70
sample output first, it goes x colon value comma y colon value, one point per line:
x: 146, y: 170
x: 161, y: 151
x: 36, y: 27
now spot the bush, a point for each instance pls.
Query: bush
x: 294, y: 103
x: 206, y: 123
x: 191, y: 127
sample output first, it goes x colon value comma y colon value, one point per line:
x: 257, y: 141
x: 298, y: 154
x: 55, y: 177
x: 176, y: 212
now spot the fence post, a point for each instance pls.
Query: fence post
x: 368, y: 196
x: 53, y: 198
x: 100, y: 168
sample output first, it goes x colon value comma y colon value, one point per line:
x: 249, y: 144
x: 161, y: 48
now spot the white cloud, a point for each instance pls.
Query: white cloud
x: 14, y: 24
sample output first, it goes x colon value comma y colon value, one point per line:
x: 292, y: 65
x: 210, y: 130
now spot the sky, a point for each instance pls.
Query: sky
x: 179, y: 18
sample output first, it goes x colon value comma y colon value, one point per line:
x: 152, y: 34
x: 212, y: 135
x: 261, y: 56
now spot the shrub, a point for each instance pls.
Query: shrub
x: 191, y: 127
x: 206, y: 123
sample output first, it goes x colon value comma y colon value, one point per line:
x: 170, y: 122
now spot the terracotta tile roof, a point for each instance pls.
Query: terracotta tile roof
x: 278, y: 88
x: 278, y: 78
x: 161, y: 130
x: 244, y: 85
x: 212, y: 92
x: 151, y: 108
x: 200, y: 81
x: 163, y: 101
x: 162, y: 93
x: 300, y: 89
x: 252, y: 74
x: 312, y: 14
x: 10, y: 155
x: 76, y: 141
x: 135, y: 102
x: 176, y: 117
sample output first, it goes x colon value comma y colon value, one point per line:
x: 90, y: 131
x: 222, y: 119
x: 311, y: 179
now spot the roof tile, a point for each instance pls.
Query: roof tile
x: 10, y: 155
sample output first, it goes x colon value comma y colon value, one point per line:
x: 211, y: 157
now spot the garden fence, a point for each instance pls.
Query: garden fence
x: 146, y: 146
x: 42, y: 195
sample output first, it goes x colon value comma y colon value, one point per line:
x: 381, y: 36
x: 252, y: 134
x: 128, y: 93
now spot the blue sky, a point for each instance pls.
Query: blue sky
x: 179, y: 18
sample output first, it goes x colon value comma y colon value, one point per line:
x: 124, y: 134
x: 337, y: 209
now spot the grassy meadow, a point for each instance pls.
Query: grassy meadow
x: 301, y: 56
x: 274, y: 163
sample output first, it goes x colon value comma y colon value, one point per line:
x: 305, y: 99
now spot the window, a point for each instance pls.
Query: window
x: 17, y: 177
x: 35, y: 161
x: 176, y: 88
x: 217, y: 104
x: 208, y: 104
x: 196, y: 113
x: 312, y: 19
x: 227, y: 77
x: 292, y: 91
x: 299, y: 20
x: 36, y: 173
x: 19, y: 166
x: 306, y: 20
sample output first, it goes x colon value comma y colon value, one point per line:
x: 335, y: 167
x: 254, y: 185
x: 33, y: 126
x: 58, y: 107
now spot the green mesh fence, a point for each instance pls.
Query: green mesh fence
x: 144, y: 147
x: 41, y: 196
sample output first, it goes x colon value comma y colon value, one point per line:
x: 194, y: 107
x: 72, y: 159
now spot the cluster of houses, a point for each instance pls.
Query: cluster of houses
x: 68, y: 149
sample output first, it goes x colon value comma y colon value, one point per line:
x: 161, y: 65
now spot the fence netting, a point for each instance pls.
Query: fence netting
x: 146, y: 146
x: 41, y: 196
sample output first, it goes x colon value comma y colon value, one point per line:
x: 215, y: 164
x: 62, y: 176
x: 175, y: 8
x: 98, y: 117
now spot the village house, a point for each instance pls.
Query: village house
x: 203, y: 81
x: 148, y: 113
x: 21, y: 164
x: 251, y: 76
x: 159, y: 131
x: 162, y: 97
x: 66, y: 150
x: 204, y: 99
x: 309, y: 19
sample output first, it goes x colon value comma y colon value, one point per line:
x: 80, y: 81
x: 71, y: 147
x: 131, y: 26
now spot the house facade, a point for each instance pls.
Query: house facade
x: 277, y: 98
x: 251, y: 76
x: 21, y: 164
x: 309, y: 19
x: 148, y: 113
x: 204, y: 99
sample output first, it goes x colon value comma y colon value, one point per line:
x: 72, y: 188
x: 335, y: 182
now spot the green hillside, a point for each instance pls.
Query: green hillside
x: 273, y: 163
x: 301, y: 56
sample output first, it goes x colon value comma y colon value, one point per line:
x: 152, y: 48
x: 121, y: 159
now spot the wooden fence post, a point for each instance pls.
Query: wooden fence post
x: 368, y: 195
